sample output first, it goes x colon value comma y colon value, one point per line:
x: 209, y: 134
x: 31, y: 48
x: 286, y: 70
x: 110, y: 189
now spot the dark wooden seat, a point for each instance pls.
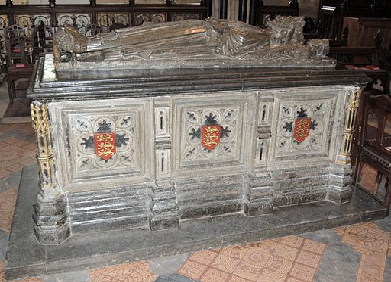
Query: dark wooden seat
x: 372, y: 151
x: 44, y: 39
x: 20, y: 60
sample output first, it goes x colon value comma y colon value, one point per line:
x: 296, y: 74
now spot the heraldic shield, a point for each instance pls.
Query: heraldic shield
x: 302, y: 129
x: 210, y: 136
x: 105, y: 145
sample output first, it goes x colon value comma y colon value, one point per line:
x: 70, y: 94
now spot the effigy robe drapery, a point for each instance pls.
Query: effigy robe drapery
x: 187, y: 44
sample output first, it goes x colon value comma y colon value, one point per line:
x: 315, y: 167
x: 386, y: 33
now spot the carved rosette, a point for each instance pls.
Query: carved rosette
x: 199, y: 121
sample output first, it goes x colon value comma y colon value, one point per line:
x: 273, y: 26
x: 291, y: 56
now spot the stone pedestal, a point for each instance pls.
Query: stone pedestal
x: 51, y: 224
x: 340, y: 183
x: 165, y: 151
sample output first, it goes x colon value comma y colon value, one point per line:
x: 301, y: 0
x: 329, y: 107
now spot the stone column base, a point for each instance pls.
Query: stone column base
x: 51, y: 223
x: 340, y: 184
x: 259, y: 197
x: 164, y: 210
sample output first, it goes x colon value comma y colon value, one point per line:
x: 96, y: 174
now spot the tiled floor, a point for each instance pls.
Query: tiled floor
x: 359, y: 252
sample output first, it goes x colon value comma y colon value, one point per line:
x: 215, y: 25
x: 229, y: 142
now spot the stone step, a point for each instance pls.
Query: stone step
x: 115, y: 223
x: 112, y: 201
x: 107, y: 213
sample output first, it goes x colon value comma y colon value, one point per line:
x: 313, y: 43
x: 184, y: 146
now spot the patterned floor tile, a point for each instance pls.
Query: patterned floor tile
x: 2, y: 276
x: 302, y: 272
x: 313, y: 246
x: 372, y: 267
x: 7, y: 207
x: 293, y: 241
x: 389, y: 245
x: 193, y: 270
x: 309, y: 259
x: 340, y: 230
x: 387, y: 272
x: 205, y: 257
x: 366, y: 238
x: 213, y: 275
x: 270, y: 260
x: 135, y: 272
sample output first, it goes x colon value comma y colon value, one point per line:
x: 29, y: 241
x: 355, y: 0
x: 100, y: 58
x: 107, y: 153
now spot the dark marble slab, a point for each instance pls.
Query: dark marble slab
x: 173, y: 278
x: 26, y: 257
x: 152, y: 83
x: 340, y: 263
x: 3, y: 243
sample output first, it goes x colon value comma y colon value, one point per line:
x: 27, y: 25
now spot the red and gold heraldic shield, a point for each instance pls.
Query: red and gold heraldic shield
x: 302, y: 129
x: 210, y: 136
x: 104, y: 145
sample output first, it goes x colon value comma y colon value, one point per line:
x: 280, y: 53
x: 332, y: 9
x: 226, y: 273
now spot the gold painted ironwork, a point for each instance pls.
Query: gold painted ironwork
x: 40, y: 121
x: 351, y: 116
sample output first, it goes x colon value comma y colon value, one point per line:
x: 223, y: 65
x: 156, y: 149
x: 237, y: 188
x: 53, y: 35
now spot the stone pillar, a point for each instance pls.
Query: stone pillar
x: 51, y: 223
x: 164, y: 209
x: 341, y: 172
x: 259, y: 195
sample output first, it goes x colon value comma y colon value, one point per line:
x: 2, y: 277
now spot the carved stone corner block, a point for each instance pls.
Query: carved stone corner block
x: 340, y: 196
x: 164, y: 209
x: 164, y: 222
x: 51, y: 222
x: 340, y: 184
x: 259, y: 198
x: 259, y: 208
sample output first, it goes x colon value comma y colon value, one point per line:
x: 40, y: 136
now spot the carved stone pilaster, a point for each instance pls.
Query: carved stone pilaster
x: 259, y: 194
x: 164, y: 209
x: 341, y: 174
x: 350, y: 120
x: 50, y: 217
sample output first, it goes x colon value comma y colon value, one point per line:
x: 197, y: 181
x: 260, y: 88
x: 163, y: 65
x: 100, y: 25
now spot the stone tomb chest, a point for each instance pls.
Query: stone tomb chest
x: 126, y: 145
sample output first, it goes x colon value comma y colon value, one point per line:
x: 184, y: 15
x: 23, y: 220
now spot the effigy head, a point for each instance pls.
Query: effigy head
x: 285, y: 30
x: 319, y: 47
x: 70, y: 40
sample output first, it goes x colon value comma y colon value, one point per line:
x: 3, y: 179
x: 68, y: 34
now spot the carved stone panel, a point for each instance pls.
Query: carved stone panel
x: 212, y: 132
x: 107, y: 19
x: 79, y: 20
x: 102, y: 140
x: 185, y: 16
x: 149, y: 17
x: 305, y: 123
